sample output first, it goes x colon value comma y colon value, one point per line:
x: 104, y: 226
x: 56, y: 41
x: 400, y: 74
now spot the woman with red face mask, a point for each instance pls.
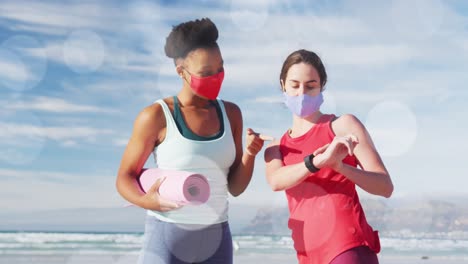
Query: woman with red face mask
x: 191, y: 131
x: 315, y: 162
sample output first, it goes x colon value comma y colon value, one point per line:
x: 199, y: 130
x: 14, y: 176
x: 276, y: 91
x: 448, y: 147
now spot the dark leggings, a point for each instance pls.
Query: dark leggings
x: 169, y: 243
x: 357, y: 255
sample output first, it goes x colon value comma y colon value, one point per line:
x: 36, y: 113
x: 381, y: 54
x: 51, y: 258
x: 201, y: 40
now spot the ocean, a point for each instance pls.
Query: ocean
x: 123, y: 248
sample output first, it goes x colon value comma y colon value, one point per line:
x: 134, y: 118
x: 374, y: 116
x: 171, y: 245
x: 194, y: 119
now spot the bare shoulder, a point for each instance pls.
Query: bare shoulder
x: 151, y: 121
x: 233, y: 111
x: 151, y: 113
x: 272, y: 151
x: 274, y: 142
x: 231, y: 108
x: 347, y: 124
x: 347, y: 119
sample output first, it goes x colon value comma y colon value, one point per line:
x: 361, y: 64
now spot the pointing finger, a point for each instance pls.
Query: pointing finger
x: 265, y: 137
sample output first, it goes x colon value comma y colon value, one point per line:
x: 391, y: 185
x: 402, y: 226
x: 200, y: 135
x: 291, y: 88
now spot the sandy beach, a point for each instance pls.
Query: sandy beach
x: 239, y: 258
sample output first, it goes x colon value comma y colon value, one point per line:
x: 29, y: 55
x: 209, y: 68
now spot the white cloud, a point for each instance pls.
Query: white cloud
x: 258, y: 60
x: 410, y: 19
x: 23, y: 190
x: 342, y: 39
x: 15, y: 71
x: 124, y: 91
x: 393, y: 126
x: 108, y: 31
x: 120, y: 142
x: 275, y: 36
x: 111, y: 58
x: 370, y: 59
x: 249, y: 15
x: 84, y: 51
x: 367, y: 55
x: 18, y: 131
x: 69, y: 143
x: 52, y: 15
x: 277, y: 99
x: 39, y: 29
x: 25, y: 175
x: 55, y: 105
x: 20, y: 72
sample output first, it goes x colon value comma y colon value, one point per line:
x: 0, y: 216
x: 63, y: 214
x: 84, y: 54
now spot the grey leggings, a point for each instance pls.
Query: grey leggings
x: 169, y: 243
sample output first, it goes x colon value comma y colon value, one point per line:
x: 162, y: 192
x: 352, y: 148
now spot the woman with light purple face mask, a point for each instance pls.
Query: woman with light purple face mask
x: 318, y: 162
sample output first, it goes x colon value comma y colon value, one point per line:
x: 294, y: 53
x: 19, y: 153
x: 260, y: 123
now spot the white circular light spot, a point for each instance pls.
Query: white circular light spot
x: 193, y: 244
x: 198, y: 238
x: 84, y: 51
x: 23, y: 63
x: 393, y: 128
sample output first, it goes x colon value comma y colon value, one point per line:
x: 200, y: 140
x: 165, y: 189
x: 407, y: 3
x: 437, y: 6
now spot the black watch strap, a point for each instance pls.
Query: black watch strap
x: 308, y: 160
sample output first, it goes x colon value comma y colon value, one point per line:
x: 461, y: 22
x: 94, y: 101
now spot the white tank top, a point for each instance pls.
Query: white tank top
x: 211, y: 158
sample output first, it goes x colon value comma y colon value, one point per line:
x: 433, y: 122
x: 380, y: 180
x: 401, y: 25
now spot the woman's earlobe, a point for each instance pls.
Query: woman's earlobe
x: 179, y: 71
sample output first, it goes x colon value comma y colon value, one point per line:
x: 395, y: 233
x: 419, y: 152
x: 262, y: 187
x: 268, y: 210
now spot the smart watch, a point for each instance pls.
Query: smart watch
x: 308, y: 160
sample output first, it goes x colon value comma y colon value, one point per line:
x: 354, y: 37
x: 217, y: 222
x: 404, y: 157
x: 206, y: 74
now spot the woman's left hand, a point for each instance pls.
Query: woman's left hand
x: 255, y: 141
x: 331, y: 155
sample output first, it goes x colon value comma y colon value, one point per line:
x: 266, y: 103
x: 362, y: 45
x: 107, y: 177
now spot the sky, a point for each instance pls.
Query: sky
x: 75, y: 74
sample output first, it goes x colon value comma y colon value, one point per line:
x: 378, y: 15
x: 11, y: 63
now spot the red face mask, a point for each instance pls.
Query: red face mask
x: 207, y: 87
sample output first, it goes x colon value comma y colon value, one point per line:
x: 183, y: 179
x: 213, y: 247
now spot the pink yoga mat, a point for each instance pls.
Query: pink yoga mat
x: 182, y: 187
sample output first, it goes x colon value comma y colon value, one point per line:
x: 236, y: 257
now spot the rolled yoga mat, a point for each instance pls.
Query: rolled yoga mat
x: 182, y: 187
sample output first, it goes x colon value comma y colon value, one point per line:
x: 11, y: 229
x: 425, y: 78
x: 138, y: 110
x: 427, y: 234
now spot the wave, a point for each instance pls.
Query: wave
x: 130, y: 243
x: 44, y: 237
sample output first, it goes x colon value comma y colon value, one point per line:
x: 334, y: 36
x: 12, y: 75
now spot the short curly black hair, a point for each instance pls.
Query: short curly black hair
x: 191, y: 35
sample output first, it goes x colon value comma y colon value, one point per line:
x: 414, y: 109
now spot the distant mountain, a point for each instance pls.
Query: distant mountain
x: 426, y: 216
x: 423, y: 216
x: 268, y: 220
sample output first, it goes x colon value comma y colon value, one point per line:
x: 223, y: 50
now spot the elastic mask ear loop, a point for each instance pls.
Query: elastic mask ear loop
x: 183, y: 75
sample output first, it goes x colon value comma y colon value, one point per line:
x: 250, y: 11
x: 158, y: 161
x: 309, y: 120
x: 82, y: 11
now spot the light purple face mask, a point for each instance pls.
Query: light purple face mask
x: 303, y: 105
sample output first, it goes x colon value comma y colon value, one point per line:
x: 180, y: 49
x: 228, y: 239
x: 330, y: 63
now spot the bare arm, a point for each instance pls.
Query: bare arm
x: 281, y: 177
x: 241, y: 170
x: 145, y: 136
x: 373, y: 177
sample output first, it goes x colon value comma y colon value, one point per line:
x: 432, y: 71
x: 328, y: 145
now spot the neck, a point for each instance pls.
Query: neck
x: 303, y: 124
x: 187, y: 98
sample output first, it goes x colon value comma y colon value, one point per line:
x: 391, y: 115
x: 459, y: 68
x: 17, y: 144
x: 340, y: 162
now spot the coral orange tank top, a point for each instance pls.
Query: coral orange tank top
x: 326, y: 217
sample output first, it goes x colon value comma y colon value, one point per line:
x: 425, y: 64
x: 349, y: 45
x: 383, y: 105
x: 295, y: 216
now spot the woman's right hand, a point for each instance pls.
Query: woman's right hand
x: 332, y: 154
x: 153, y: 201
